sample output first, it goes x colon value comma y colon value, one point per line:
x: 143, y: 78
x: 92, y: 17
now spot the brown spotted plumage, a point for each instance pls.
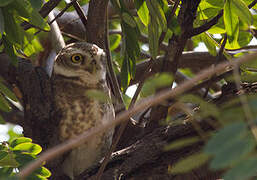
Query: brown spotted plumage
x: 80, y: 67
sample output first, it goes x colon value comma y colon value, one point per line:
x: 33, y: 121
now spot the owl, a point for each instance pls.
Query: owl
x: 80, y: 67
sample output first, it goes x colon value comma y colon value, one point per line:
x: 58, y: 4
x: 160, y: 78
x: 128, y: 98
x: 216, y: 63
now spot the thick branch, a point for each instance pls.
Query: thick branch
x: 96, y: 22
x: 146, y: 158
x: 196, y: 61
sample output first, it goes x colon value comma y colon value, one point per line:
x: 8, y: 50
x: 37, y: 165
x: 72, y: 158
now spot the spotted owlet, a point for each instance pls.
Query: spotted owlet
x: 80, y: 67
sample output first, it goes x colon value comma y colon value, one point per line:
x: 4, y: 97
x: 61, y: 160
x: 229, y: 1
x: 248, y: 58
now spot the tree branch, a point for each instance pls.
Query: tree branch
x: 95, y: 30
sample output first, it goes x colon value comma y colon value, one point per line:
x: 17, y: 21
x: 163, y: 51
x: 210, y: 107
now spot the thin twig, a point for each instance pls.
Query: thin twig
x: 48, y: 7
x: 80, y: 13
x: 206, y: 26
x: 61, y: 13
x: 143, y: 104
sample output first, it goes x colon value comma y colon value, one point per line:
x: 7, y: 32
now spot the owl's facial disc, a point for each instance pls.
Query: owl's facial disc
x: 81, y: 60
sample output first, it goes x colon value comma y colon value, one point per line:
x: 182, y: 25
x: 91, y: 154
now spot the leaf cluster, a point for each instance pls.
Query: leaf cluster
x: 14, y: 38
x: 16, y: 154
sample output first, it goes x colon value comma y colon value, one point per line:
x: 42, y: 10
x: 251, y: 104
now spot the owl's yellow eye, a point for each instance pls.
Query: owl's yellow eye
x: 76, y: 58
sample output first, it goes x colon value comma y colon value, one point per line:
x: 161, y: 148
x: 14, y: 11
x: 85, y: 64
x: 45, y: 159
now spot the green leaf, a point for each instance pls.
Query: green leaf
x: 114, y: 41
x: 31, y: 44
x: 211, y: 46
x: 125, y: 75
x: 36, y: 4
x: 127, y: 18
x: 244, y: 38
x: 142, y: 11
x: 9, y: 49
x: 153, y: 37
x: 181, y: 143
x: 1, y: 22
x: 97, y: 95
x: 160, y: 14
x: 12, y: 29
x: 132, y: 49
x: 9, y: 161
x: 126, y: 99
x: 242, y: 11
x: 244, y: 170
x: 208, y: 109
x: 232, y: 152
x: 28, y: 147
x: 23, y: 158
x: 4, y: 105
x: 157, y: 13
x: 189, y: 163
x: 42, y: 171
x: 209, y: 13
x: 7, y: 92
x: 247, y: 76
x: 3, y: 154
x: 3, y: 146
x: 2, y: 121
x: 5, y: 172
x: 231, y: 22
x: 174, y: 26
x: 228, y: 134
x: 37, y: 20
x: 13, y: 135
x: 243, y: 26
x: 5, y: 2
x: 23, y: 8
x: 153, y: 83
x: 20, y: 140
x: 255, y: 20
x: 216, y: 3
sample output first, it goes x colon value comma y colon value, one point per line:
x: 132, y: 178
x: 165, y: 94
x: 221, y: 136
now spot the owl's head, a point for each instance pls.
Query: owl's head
x: 82, y: 60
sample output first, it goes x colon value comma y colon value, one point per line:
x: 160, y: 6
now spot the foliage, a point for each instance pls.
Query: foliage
x: 14, y: 155
x: 12, y: 14
x: 231, y: 147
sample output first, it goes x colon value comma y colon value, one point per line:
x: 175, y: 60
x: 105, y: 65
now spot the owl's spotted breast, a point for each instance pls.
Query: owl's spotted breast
x: 79, y: 112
